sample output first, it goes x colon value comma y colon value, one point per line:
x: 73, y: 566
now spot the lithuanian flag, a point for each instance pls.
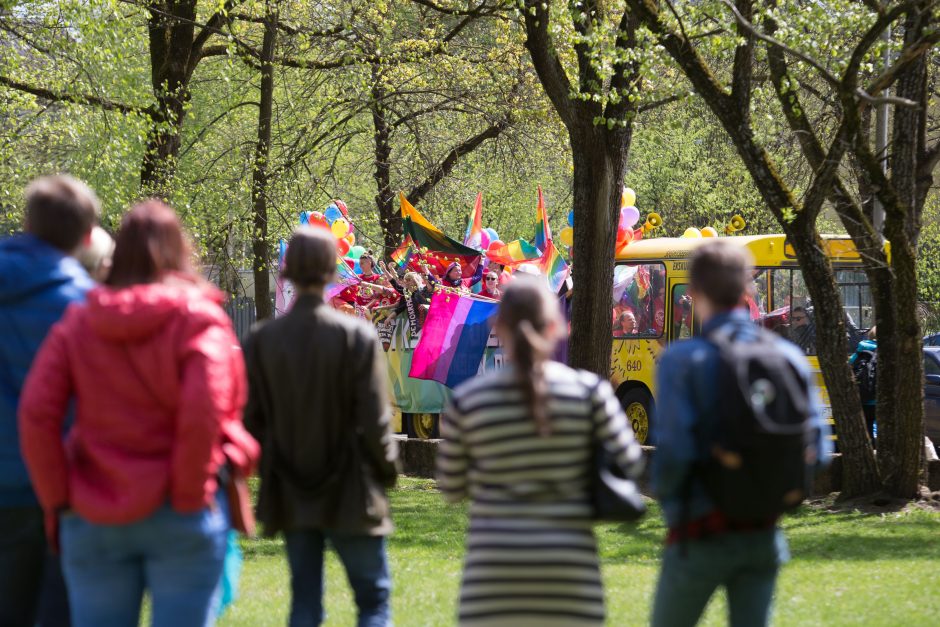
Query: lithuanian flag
x: 435, y: 247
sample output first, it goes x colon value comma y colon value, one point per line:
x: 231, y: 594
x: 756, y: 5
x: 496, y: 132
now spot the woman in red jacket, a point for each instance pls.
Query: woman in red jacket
x: 157, y: 377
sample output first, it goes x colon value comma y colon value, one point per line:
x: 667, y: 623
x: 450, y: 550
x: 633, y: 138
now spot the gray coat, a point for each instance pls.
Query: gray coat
x: 319, y: 405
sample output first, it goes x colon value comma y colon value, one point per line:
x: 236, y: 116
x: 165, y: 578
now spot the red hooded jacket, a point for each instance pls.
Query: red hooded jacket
x: 157, y: 375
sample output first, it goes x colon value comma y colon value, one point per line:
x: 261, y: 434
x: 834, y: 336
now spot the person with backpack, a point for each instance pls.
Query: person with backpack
x: 864, y: 362
x: 739, y: 433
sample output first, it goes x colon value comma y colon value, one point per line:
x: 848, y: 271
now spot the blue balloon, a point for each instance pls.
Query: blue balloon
x: 332, y: 214
x: 305, y: 217
x: 356, y: 268
x: 571, y: 218
x: 492, y: 234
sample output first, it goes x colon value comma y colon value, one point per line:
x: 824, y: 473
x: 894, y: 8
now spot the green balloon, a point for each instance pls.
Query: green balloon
x: 355, y: 252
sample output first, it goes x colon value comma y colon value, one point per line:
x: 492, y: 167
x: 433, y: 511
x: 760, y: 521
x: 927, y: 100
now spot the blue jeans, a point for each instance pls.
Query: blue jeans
x: 366, y: 565
x: 176, y: 557
x: 745, y: 563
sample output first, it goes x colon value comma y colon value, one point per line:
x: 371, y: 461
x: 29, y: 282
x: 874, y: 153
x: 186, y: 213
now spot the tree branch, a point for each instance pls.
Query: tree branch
x: 450, y: 160
x: 548, y: 66
x: 83, y: 99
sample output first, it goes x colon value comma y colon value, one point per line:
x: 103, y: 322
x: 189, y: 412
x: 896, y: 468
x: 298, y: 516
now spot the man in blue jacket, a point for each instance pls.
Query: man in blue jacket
x: 705, y: 550
x: 38, y: 280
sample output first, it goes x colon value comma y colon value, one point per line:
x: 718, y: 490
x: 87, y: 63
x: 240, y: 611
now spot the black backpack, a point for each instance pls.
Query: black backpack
x: 763, y: 427
x: 865, y: 370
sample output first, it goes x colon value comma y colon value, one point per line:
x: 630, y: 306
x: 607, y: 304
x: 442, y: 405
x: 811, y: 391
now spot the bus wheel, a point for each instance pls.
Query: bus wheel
x: 638, y: 405
x: 422, y: 426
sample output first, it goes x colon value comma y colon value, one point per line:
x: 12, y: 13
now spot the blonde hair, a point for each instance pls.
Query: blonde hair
x: 98, y: 252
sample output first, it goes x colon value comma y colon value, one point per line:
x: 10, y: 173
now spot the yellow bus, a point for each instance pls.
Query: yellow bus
x: 651, y: 308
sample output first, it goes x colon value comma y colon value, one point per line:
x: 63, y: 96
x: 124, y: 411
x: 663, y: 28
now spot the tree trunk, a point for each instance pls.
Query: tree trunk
x: 389, y: 218
x: 261, y: 252
x: 171, y: 27
x: 600, y: 160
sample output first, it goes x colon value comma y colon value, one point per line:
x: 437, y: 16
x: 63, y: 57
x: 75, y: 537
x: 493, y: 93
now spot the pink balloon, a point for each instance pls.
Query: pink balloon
x: 484, y: 240
x: 628, y: 217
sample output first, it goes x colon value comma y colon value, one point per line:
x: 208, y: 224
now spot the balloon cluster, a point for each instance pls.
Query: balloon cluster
x: 629, y: 216
x: 335, y: 218
x: 490, y: 241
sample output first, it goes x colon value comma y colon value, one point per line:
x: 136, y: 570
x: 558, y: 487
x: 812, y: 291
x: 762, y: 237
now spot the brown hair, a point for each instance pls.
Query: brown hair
x: 61, y: 210
x: 526, y: 315
x: 311, y: 257
x: 721, y: 272
x: 150, y: 244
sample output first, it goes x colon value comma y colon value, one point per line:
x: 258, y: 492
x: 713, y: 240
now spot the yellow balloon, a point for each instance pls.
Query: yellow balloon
x: 340, y: 228
x: 709, y: 232
x: 567, y: 236
x: 629, y: 198
x: 692, y: 233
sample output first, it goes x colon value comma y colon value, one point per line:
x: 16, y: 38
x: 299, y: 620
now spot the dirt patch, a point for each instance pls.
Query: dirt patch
x: 876, y: 504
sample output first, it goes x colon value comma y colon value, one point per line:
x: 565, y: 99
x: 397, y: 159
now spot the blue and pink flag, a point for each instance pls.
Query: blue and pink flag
x: 453, y: 339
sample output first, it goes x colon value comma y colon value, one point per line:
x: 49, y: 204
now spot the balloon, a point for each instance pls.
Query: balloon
x: 332, y: 214
x: 709, y: 232
x: 567, y: 236
x: 628, y: 217
x: 623, y: 239
x: 342, y: 247
x: 692, y: 233
x: 484, y: 240
x: 351, y: 239
x: 315, y: 217
x: 355, y: 252
x: 492, y: 233
x: 629, y: 197
x: 495, y: 245
x: 339, y: 227
x: 356, y: 268
x: 571, y: 218
x: 304, y: 217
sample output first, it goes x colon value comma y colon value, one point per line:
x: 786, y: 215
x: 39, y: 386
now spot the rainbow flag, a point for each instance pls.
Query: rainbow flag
x: 453, y: 339
x: 514, y: 253
x: 474, y: 235
x: 554, y: 267
x: 543, y: 232
x: 403, y: 254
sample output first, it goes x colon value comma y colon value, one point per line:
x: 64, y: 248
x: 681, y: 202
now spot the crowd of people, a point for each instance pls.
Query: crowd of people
x: 128, y: 406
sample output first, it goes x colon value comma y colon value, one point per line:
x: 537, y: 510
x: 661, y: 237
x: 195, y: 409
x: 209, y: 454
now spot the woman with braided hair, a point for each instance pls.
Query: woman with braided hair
x: 529, y: 430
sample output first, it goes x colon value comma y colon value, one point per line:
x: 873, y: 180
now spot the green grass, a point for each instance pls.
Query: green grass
x: 847, y: 569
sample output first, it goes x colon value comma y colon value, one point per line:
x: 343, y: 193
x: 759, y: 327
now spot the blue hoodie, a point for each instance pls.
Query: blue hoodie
x: 37, y: 283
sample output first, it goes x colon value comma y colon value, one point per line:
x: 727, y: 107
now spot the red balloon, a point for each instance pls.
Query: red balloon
x: 495, y: 245
x: 342, y: 246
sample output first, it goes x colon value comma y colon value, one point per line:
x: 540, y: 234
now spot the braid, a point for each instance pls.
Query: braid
x: 526, y: 316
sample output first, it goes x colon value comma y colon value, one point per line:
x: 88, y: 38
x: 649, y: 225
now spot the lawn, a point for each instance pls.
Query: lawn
x: 848, y: 568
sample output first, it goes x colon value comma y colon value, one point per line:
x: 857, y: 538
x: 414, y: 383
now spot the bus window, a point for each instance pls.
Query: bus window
x: 682, y: 325
x: 639, y: 300
x: 856, y: 298
x: 758, y: 297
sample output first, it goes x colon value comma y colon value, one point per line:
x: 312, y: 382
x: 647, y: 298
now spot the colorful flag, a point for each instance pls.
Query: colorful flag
x: 543, y: 232
x: 435, y: 247
x: 474, y: 236
x: 453, y: 339
x: 345, y: 277
x: 283, y: 292
x: 403, y: 254
x: 514, y: 253
x: 554, y: 267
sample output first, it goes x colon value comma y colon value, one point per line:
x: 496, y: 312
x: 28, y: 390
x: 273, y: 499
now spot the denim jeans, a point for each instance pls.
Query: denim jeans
x: 176, y: 557
x: 745, y: 563
x: 366, y: 565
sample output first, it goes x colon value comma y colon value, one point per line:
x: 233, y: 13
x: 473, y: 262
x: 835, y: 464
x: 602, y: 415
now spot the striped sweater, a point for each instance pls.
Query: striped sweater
x: 531, y: 554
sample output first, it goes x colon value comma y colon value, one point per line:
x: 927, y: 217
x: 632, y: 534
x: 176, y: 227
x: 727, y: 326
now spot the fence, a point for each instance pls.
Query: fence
x: 241, y: 309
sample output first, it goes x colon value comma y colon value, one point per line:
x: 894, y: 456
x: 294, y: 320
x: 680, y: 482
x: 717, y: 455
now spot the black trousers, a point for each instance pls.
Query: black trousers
x: 32, y: 590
